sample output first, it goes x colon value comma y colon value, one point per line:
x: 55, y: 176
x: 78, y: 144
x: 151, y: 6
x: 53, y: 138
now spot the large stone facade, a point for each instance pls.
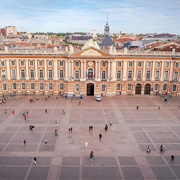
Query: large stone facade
x: 89, y: 72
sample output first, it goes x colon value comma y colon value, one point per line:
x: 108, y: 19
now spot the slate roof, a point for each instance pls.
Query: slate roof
x: 107, y: 41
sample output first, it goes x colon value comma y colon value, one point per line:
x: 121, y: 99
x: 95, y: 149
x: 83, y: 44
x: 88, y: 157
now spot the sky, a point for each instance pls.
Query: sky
x: 128, y: 16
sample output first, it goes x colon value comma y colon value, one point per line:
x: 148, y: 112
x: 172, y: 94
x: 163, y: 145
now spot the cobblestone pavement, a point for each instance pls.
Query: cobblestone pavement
x: 121, y: 153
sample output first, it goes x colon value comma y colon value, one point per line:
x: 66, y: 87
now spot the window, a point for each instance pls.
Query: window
x: 156, y: 87
x: 129, y: 86
x: 103, y: 87
x: 77, y: 63
x: 148, y: 64
x: 166, y: 64
x: 50, y: 86
x: 103, y: 75
x: 157, y: 75
x: 12, y: 63
x: 157, y: 64
x: 130, y: 64
x: 32, y: 86
x: 165, y: 75
x: 139, y: 74
x: 61, y: 63
x: 174, y: 88
x: 14, y: 86
x: 3, y: 74
x: 41, y: 86
x: 2, y: 63
x: 41, y: 74
x: 23, y: 86
x: 13, y: 75
x: 118, y: 74
x: 77, y: 87
x: 4, y: 87
x: 164, y: 87
x: 118, y: 87
x: 90, y: 73
x: 31, y: 74
x: 175, y: 76
x: 50, y: 74
x: 22, y: 74
x: 130, y: 74
x: 76, y: 74
x: 148, y: 75
x: 119, y: 64
x: 61, y: 86
x: 176, y: 65
x: 49, y: 63
x: 103, y: 64
x: 22, y: 63
x: 31, y: 63
x: 40, y: 63
x: 61, y: 74
x: 139, y: 64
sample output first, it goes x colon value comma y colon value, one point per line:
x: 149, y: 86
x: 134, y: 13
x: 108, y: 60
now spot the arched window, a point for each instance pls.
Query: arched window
x: 156, y: 87
x: 157, y: 75
x: 119, y: 74
x: 164, y: 87
x: 77, y: 74
x: 23, y: 86
x: 174, y: 88
x: 32, y: 86
x: 41, y: 76
x: 50, y: 76
x: 61, y: 74
x: 4, y: 87
x: 175, y: 76
x: 41, y: 86
x: 22, y: 74
x: 157, y: 64
x: 13, y: 74
x: 31, y: 74
x: 77, y: 87
x: 90, y: 73
x: 14, y: 86
x: 139, y: 74
x: 118, y: 87
x: 61, y: 87
x: 50, y: 86
x: 103, y: 87
x: 3, y: 72
x: 165, y: 75
x: 130, y: 74
x: 129, y: 87
x: 148, y: 74
x: 61, y: 63
x: 139, y: 64
x: 103, y: 75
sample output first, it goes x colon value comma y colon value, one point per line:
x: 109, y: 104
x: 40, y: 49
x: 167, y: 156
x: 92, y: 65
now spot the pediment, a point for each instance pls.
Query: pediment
x: 90, y: 52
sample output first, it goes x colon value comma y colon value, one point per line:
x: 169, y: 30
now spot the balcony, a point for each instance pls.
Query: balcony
x: 139, y: 79
x: 118, y: 79
x: 130, y: 79
x: 148, y: 79
x: 157, y: 79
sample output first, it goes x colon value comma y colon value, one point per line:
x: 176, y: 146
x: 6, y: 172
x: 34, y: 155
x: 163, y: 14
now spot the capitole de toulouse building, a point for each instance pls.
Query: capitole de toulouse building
x: 89, y: 71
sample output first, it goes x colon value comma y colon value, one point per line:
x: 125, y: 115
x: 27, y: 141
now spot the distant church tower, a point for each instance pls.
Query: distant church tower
x: 106, y: 28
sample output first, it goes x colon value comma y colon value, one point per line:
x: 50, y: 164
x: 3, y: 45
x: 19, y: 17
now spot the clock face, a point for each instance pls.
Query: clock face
x: 90, y: 63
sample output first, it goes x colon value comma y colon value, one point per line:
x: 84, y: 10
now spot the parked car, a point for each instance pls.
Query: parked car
x: 98, y: 98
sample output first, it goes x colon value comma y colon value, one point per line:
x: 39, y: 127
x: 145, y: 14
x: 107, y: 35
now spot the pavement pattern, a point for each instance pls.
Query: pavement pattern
x: 121, y: 153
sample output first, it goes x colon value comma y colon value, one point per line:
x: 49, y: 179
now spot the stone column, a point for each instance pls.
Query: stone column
x: 171, y: 71
x: 82, y: 70
x: 144, y: 71
x: 36, y: 69
x: 125, y: 71
x: 55, y: 70
x: 8, y: 69
x: 69, y: 69
x: 135, y: 67
x: 45, y: 69
x: 17, y: 72
x: 99, y: 70
x: 162, y: 71
x: 27, y: 70
x: 109, y: 70
x: 66, y: 70
x: 153, y: 70
x: 72, y: 69
x: 113, y: 71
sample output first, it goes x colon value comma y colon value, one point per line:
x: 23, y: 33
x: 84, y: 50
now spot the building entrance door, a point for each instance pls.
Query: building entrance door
x: 90, y: 89
x: 147, y: 89
x: 138, y: 89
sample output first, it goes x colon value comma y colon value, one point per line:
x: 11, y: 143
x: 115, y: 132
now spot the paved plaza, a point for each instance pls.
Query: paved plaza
x: 121, y: 153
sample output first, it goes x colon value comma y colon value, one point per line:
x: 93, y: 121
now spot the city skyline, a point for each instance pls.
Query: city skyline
x: 134, y: 16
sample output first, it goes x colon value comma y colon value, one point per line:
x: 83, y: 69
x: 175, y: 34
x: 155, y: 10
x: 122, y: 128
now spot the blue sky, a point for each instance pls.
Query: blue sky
x: 131, y: 16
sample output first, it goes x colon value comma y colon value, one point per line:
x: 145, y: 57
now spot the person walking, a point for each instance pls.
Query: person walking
x: 86, y: 144
x: 161, y: 148
x: 45, y: 141
x: 35, y: 161
x: 172, y: 158
x: 5, y: 112
x: 45, y: 110
x: 137, y: 107
x: 13, y: 112
x: 100, y: 136
x: 56, y: 134
x: 91, y: 157
x: 106, y: 127
x: 24, y: 142
x: 148, y: 149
